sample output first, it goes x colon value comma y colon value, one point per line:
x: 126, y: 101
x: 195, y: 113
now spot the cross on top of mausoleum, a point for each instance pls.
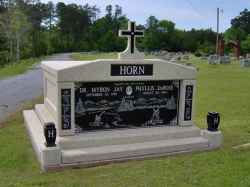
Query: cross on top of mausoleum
x: 131, y: 33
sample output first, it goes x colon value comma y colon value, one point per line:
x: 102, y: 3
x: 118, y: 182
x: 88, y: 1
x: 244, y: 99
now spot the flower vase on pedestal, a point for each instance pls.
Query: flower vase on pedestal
x: 213, y: 120
x: 50, y: 134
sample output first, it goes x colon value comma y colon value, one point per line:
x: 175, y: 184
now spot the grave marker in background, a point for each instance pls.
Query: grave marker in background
x: 245, y: 63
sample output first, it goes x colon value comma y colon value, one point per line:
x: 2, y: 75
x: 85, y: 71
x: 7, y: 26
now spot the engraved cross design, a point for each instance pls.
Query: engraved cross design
x: 131, y: 34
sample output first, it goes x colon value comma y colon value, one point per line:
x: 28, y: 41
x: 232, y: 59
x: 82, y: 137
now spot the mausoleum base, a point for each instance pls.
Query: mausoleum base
x: 114, y: 146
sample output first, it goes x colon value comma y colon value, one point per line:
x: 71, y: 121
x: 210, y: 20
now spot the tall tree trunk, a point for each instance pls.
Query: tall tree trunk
x: 11, y: 51
x: 33, y: 43
x: 17, y: 51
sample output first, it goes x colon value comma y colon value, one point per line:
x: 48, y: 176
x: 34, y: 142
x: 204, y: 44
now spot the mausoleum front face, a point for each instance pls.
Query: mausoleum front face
x: 112, y: 94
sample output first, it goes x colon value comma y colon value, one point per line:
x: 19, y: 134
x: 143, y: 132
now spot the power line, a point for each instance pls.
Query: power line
x: 200, y: 12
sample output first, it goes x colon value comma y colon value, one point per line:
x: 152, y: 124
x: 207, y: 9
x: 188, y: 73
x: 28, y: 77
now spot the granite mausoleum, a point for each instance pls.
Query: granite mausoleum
x: 115, y: 110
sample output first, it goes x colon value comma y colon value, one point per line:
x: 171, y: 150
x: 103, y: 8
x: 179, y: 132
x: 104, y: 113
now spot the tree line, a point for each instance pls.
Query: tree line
x: 29, y: 28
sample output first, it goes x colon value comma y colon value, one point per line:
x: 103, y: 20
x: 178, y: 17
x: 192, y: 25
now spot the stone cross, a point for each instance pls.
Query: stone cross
x: 131, y: 33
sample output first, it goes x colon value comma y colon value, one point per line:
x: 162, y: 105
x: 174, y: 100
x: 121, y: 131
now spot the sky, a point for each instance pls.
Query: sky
x: 186, y: 14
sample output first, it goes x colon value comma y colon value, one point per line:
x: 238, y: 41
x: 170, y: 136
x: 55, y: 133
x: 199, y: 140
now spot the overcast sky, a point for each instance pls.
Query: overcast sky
x: 186, y: 14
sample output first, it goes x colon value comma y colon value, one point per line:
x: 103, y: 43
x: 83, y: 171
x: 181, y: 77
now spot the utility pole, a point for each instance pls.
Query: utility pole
x: 217, y: 34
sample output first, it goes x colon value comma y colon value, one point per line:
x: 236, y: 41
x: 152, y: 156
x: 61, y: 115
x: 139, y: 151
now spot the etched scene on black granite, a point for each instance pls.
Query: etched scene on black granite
x: 109, y: 105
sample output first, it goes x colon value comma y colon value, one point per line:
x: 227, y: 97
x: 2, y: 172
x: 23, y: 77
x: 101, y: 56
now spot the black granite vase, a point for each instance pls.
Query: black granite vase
x: 213, y: 120
x: 50, y: 134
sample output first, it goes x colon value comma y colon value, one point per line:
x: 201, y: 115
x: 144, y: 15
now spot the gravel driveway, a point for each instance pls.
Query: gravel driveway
x: 18, y: 89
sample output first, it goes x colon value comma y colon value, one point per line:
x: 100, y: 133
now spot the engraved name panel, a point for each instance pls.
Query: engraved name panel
x: 66, y: 108
x: 188, y: 103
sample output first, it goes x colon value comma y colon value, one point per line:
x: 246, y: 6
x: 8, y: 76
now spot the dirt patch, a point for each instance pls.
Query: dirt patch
x: 243, y: 145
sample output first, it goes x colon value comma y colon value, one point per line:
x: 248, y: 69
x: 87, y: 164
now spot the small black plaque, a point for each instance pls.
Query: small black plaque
x: 131, y: 70
x: 111, y: 105
x: 188, y: 103
x: 66, y: 108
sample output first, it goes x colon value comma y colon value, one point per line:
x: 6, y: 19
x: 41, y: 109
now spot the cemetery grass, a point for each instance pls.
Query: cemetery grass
x: 18, y: 68
x: 219, y: 88
x: 78, y: 56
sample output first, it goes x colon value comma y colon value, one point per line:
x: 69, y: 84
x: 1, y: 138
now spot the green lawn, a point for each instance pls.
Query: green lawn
x: 219, y: 88
x: 78, y: 56
x: 19, y: 68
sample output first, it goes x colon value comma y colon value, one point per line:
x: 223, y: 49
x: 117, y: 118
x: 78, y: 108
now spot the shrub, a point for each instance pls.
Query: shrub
x: 3, y: 58
x: 197, y: 54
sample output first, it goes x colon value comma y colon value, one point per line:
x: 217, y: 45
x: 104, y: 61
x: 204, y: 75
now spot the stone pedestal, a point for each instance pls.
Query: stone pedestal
x: 215, y: 138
